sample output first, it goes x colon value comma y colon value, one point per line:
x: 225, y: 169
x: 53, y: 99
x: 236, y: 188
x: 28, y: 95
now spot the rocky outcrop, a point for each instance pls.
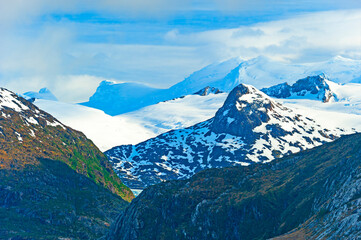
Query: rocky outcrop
x: 314, y: 194
x: 316, y: 86
x: 208, y: 90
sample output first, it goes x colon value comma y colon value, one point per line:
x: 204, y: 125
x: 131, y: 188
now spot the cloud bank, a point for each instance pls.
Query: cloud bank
x: 63, y: 55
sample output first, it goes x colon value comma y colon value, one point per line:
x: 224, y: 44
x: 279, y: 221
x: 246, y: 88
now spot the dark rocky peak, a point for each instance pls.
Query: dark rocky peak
x: 316, y: 86
x: 311, y: 83
x: 208, y: 90
x: 282, y: 90
x: 244, y: 109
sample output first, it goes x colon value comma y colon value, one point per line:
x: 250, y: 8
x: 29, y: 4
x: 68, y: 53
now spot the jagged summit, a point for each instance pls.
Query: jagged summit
x: 312, y: 87
x: 250, y: 127
x: 244, y: 109
x: 43, y: 93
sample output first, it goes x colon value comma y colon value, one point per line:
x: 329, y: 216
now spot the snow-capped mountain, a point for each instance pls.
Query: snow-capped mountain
x: 250, y: 127
x: 260, y: 72
x: 47, y: 170
x: 264, y: 72
x: 117, y: 98
x: 43, y: 93
x: 314, y: 87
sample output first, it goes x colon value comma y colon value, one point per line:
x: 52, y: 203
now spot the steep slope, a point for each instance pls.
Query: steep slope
x: 314, y: 87
x: 52, y: 201
x: 250, y: 127
x: 27, y: 133
x: 314, y: 194
x: 49, y: 171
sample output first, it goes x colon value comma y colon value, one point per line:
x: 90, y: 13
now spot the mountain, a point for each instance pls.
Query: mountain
x: 260, y: 72
x: 250, y: 127
x: 53, y: 180
x: 117, y: 98
x: 264, y: 72
x: 314, y: 87
x: 314, y: 194
x: 43, y: 93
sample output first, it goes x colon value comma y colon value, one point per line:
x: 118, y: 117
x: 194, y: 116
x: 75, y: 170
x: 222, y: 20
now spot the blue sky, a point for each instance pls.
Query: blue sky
x: 70, y: 46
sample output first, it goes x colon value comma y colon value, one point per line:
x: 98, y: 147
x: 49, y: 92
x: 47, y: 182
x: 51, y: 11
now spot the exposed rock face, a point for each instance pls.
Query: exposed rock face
x: 249, y: 128
x: 315, y: 194
x: 315, y: 85
x: 282, y: 90
x: 244, y: 109
x: 54, y: 182
x: 208, y: 90
x: 52, y: 201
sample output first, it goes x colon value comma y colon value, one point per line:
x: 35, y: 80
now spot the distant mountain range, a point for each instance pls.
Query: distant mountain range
x: 117, y: 98
x: 134, y: 127
x: 250, y: 127
x: 314, y: 194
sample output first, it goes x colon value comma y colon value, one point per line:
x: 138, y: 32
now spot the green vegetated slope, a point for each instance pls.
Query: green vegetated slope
x: 53, y: 180
x: 315, y: 193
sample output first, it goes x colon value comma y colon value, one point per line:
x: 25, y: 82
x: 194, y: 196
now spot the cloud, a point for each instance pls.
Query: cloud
x: 71, y: 58
x: 326, y: 33
x: 69, y: 88
x: 25, y: 11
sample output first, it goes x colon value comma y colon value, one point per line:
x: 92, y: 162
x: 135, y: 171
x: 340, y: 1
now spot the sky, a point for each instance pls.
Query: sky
x: 70, y: 46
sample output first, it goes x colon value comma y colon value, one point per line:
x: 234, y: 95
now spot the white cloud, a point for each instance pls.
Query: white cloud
x: 326, y: 34
x: 51, y: 55
x: 69, y: 88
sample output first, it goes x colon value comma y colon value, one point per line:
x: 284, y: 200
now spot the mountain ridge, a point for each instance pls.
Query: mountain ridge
x: 28, y: 133
x: 260, y: 72
x: 308, y: 195
x: 250, y: 127
x: 54, y: 182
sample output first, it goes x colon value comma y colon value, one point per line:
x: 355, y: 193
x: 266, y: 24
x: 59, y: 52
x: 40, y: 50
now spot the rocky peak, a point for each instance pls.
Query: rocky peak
x: 282, y: 90
x: 208, y: 90
x: 244, y: 109
x: 316, y: 86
